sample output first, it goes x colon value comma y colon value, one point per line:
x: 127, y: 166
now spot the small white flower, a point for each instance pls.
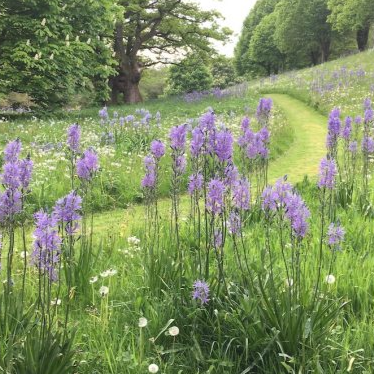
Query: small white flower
x: 288, y: 282
x: 104, y: 291
x: 56, y: 302
x: 104, y: 274
x: 111, y: 272
x: 173, y: 330
x: 94, y: 279
x: 143, y: 322
x: 330, y: 279
x: 153, y: 368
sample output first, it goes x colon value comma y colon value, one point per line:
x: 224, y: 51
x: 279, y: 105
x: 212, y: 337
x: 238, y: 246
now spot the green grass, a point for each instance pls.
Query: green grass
x: 229, y: 334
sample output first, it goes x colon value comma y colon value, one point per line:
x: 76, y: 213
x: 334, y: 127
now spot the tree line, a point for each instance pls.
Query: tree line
x: 286, y: 34
x: 54, y: 49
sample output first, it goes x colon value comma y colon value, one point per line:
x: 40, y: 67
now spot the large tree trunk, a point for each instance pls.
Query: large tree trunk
x: 362, y: 37
x: 129, y: 71
x: 127, y: 83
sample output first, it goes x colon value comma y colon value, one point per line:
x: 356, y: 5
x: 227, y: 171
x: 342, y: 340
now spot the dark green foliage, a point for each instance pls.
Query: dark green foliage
x: 223, y: 72
x: 51, y: 50
x: 192, y: 74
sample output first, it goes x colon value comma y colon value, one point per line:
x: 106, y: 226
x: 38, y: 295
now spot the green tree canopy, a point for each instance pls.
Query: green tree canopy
x: 353, y: 15
x: 191, y: 74
x: 261, y: 9
x: 153, y: 32
x: 51, y: 49
x: 263, y: 49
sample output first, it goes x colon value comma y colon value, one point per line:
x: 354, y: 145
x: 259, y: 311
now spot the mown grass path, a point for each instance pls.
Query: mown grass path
x: 302, y: 158
x: 310, y: 129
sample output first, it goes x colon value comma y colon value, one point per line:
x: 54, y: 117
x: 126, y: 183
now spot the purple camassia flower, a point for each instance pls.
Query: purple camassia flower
x: 47, y: 244
x: 11, y: 175
x: 275, y: 196
x: 87, y: 165
x: 178, y: 137
x: 149, y: 180
x: 157, y: 149
x: 369, y: 116
x: 298, y: 213
x: 347, y: 130
x: 334, y: 125
x: 352, y: 147
x: 264, y: 135
x: 129, y: 118
x: 231, y: 174
x: 67, y: 210
x: 246, y: 138
x: 25, y: 171
x: 241, y: 195
x: 234, y: 223
x: 358, y: 120
x: 201, y: 292
x: 335, y: 234
x: 12, y: 151
x: 367, y: 144
x: 74, y: 137
x: 327, y: 173
x: 207, y: 120
x: 103, y: 113
x: 10, y: 204
x: 224, y: 145
x: 245, y: 124
x: 264, y: 108
x: 197, y: 142
x: 217, y: 239
x: 367, y: 104
x: 180, y: 164
x: 195, y: 183
x: 215, y: 199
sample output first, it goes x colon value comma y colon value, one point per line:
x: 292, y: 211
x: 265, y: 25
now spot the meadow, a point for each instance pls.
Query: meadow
x: 220, y: 234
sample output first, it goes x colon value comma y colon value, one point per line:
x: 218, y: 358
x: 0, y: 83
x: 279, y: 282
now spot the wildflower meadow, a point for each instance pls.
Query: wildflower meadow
x: 223, y: 230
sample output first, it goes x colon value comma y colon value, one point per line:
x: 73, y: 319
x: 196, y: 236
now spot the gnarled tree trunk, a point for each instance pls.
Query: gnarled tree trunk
x: 127, y: 83
x: 129, y: 70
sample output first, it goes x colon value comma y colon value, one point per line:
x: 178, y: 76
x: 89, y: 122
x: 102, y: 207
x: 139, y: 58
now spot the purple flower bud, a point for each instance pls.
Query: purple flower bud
x: 157, y: 149
x: 241, y: 194
x: 327, y: 173
x: 66, y: 210
x: 263, y: 109
x: 215, y: 198
x: 347, y: 130
x: 335, y: 234
x: 234, y: 224
x: 352, y: 147
x: 25, y: 172
x: 195, y: 183
x: 12, y: 151
x: 367, y: 144
x: 224, y: 145
x: 87, y: 165
x: 10, y: 204
x: 180, y: 164
x: 245, y: 124
x: 231, y: 174
x: 74, y: 136
x: 197, y: 142
x: 178, y: 137
x: 47, y: 244
x: 201, y: 292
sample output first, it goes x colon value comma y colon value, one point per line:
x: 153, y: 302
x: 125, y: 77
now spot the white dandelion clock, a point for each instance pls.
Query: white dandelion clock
x: 173, y: 331
x: 143, y: 322
x: 153, y: 368
x: 104, y: 290
x: 330, y: 279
